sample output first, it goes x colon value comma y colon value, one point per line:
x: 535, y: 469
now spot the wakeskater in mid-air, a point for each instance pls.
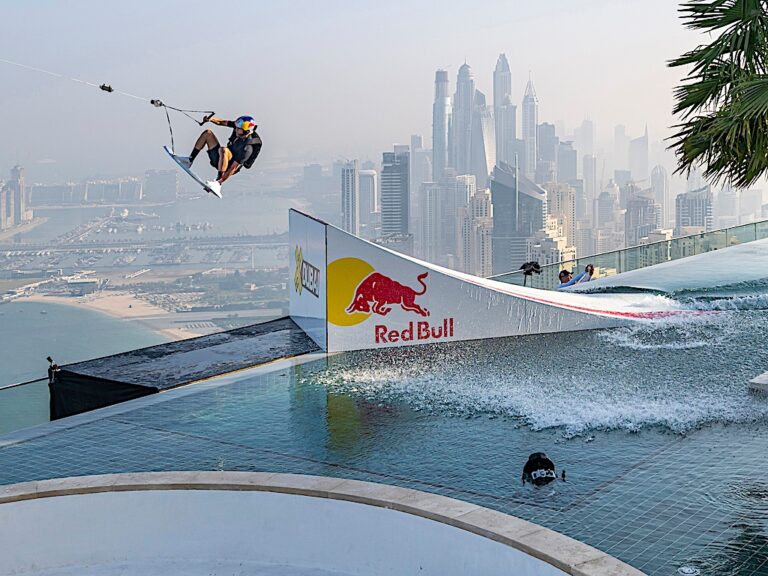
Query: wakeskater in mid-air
x: 241, y: 150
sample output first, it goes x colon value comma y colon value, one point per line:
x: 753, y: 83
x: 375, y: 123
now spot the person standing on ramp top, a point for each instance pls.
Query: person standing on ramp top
x: 241, y: 151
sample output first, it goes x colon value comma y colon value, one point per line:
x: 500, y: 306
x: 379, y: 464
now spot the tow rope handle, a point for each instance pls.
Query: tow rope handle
x: 157, y: 103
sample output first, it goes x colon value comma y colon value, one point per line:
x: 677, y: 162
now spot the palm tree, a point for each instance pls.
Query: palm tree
x: 723, y: 101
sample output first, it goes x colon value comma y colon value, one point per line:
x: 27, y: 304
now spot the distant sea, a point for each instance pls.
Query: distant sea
x: 30, y: 331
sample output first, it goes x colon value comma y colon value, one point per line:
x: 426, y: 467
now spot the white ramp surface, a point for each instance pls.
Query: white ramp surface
x: 742, y: 263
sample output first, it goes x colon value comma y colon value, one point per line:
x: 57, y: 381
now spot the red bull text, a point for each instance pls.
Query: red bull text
x: 414, y: 332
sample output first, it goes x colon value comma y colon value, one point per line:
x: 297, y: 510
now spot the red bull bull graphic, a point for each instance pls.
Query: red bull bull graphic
x: 378, y: 293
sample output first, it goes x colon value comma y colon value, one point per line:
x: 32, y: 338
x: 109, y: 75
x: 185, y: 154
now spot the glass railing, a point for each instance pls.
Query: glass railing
x: 618, y: 261
x: 24, y: 405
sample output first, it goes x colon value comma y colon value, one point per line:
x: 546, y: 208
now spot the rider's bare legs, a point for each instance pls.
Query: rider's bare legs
x: 207, y: 138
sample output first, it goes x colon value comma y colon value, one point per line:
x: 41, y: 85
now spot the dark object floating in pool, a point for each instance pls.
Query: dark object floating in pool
x: 688, y: 571
x: 539, y: 470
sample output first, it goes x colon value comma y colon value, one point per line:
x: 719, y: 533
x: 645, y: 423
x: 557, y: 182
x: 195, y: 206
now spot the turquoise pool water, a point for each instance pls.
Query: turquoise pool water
x: 663, y: 444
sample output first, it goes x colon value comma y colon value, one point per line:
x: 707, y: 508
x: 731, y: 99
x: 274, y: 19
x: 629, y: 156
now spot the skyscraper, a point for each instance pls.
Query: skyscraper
x: 369, y: 196
x: 693, y: 211
x: 530, y: 129
x: 561, y: 203
x: 4, y: 191
x: 504, y: 112
x: 660, y: 187
x: 546, y: 166
x: 441, y: 120
x: 431, y: 223
x: 590, y: 178
x: 642, y: 217
x: 350, y: 198
x: 566, y: 162
x: 420, y: 170
x: 519, y: 212
x: 395, y: 196
x: 483, y: 143
x: 605, y: 208
x: 502, y: 82
x: 9, y: 206
x: 16, y: 187
x: 548, y: 142
x: 638, y: 157
x: 476, y: 235
x: 461, y: 125
x: 457, y: 194
x: 585, y: 137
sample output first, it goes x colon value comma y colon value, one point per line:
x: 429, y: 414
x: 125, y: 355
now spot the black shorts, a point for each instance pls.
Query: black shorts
x: 214, y: 153
x: 213, y: 156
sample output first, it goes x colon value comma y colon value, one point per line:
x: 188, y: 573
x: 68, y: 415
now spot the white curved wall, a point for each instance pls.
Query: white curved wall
x: 239, y: 532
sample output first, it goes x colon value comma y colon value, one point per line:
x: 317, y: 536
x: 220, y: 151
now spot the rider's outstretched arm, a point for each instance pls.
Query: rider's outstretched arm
x: 220, y: 121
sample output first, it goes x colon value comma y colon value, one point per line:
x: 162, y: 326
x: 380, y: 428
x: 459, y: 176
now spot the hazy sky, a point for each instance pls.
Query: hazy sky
x: 323, y: 79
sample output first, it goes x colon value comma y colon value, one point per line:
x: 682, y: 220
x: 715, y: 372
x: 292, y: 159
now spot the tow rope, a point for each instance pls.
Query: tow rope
x: 109, y: 89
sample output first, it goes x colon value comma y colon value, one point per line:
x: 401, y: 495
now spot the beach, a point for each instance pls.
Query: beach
x: 125, y: 306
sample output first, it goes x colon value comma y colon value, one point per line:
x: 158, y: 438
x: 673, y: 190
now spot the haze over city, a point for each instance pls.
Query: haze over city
x: 324, y: 81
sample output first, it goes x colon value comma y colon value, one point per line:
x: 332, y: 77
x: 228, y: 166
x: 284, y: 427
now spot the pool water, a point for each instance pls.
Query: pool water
x: 663, y: 444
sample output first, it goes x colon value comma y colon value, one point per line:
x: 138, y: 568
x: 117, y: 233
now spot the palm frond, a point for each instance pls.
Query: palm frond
x: 724, y: 98
x: 753, y: 97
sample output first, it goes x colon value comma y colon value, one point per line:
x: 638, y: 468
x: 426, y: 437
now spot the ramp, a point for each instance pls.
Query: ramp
x: 735, y: 264
x: 349, y: 294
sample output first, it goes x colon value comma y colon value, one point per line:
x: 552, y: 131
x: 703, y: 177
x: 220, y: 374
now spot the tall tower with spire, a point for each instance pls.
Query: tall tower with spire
x: 530, y: 126
x: 504, y: 112
x: 441, y: 120
x: 461, y: 129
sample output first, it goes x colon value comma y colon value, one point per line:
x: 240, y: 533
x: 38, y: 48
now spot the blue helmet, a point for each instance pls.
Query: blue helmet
x: 246, y: 123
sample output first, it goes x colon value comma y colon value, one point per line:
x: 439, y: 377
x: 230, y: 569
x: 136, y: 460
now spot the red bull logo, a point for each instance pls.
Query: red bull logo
x: 357, y: 291
x: 378, y: 293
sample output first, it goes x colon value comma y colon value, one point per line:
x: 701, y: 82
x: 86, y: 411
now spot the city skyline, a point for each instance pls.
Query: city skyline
x: 308, y: 110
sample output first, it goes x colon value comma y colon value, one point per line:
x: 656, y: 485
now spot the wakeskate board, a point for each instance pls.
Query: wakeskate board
x: 206, y: 185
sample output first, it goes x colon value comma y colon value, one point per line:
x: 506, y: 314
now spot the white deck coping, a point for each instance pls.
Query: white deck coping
x: 559, y: 551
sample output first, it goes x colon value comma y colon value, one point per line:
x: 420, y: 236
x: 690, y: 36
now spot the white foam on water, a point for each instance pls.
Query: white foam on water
x: 673, y: 333
x: 679, y: 373
x: 746, y: 302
